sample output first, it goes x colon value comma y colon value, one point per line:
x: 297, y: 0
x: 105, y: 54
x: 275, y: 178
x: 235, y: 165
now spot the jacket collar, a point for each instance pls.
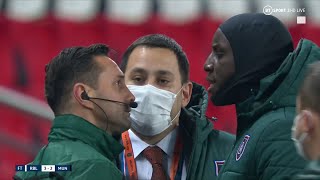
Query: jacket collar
x: 194, y: 127
x: 71, y: 127
x: 193, y: 116
x: 280, y: 88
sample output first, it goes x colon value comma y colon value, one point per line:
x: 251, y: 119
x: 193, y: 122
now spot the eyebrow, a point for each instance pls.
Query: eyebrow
x: 215, y: 45
x: 120, y: 76
x: 159, y: 72
x: 138, y: 70
x: 117, y: 78
x: 164, y: 72
x: 221, y: 46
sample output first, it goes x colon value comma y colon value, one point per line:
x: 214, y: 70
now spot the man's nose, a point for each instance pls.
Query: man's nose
x: 208, y: 67
x: 131, y: 97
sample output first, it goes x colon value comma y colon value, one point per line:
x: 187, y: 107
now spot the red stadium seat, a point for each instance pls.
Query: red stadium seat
x: 191, y: 45
x: 7, y: 69
x: 296, y: 33
x: 186, y: 29
x: 120, y: 35
x: 33, y: 39
x: 70, y: 33
x: 312, y: 32
x: 125, y: 21
x: 34, y: 50
x: 77, y: 23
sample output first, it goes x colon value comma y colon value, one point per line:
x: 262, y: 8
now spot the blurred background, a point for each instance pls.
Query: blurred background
x: 32, y: 32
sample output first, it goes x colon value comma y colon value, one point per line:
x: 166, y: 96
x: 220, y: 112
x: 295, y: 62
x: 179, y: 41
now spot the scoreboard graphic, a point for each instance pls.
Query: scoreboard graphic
x: 43, y: 168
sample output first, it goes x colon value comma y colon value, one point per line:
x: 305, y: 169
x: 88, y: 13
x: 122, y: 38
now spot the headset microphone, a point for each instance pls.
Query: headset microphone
x: 85, y: 96
x: 133, y: 104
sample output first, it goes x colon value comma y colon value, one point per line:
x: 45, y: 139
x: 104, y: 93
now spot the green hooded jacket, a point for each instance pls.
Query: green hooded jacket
x: 263, y: 148
x: 74, y: 141
x: 204, y: 148
x: 312, y: 172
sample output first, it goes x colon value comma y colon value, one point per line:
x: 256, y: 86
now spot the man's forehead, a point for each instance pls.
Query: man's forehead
x: 109, y: 66
x: 155, y: 59
x: 154, y: 71
x: 106, y: 62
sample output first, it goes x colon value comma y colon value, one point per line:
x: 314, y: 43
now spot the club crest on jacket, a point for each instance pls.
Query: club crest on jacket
x: 218, y: 165
x: 242, y: 147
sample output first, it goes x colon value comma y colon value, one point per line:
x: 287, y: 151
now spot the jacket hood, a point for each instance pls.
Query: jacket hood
x: 280, y: 88
x: 199, y: 100
x: 193, y: 116
x: 261, y: 54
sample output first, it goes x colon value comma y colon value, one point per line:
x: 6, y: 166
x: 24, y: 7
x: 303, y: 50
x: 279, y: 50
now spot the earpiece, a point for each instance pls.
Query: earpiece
x: 84, y: 96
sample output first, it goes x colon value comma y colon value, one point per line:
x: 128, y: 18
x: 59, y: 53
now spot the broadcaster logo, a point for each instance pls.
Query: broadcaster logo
x: 267, y: 10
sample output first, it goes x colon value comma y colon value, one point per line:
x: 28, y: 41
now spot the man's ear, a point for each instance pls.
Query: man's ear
x: 78, y: 90
x: 308, y: 122
x: 186, y: 92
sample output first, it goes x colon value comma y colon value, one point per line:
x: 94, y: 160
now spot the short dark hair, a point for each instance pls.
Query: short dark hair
x: 309, y: 94
x: 160, y: 41
x: 70, y: 66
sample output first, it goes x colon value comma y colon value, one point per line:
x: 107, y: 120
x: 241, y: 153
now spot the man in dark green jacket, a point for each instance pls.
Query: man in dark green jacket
x: 252, y: 65
x: 306, y: 126
x: 86, y: 91
x: 170, y: 121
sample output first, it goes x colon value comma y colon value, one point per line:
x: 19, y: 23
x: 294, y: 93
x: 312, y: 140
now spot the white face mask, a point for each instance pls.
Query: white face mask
x: 298, y: 141
x: 152, y: 116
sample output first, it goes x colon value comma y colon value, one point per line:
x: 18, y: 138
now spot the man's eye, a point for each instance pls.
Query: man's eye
x: 163, y: 81
x: 217, y: 53
x: 137, y: 79
x: 217, y: 56
x: 119, y: 83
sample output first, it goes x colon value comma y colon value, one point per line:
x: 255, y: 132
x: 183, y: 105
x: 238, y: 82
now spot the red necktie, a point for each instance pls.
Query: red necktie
x: 155, y: 156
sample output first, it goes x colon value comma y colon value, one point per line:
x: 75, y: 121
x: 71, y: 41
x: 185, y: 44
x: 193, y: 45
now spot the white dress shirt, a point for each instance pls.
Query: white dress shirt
x: 144, y: 168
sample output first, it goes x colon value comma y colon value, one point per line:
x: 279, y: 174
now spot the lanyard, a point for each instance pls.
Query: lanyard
x: 131, y: 164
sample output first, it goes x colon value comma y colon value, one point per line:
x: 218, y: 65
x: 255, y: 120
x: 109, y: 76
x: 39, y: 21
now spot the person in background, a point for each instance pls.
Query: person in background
x: 306, y: 127
x: 86, y: 91
x: 253, y: 64
x: 170, y: 136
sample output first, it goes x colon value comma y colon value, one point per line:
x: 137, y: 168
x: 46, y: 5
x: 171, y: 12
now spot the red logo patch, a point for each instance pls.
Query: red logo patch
x: 242, y: 147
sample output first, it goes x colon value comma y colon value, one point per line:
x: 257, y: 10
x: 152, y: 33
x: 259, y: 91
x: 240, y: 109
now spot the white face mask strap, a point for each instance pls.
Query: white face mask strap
x: 296, y: 119
x: 170, y: 123
x: 179, y: 90
x: 302, y: 137
x: 179, y: 111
